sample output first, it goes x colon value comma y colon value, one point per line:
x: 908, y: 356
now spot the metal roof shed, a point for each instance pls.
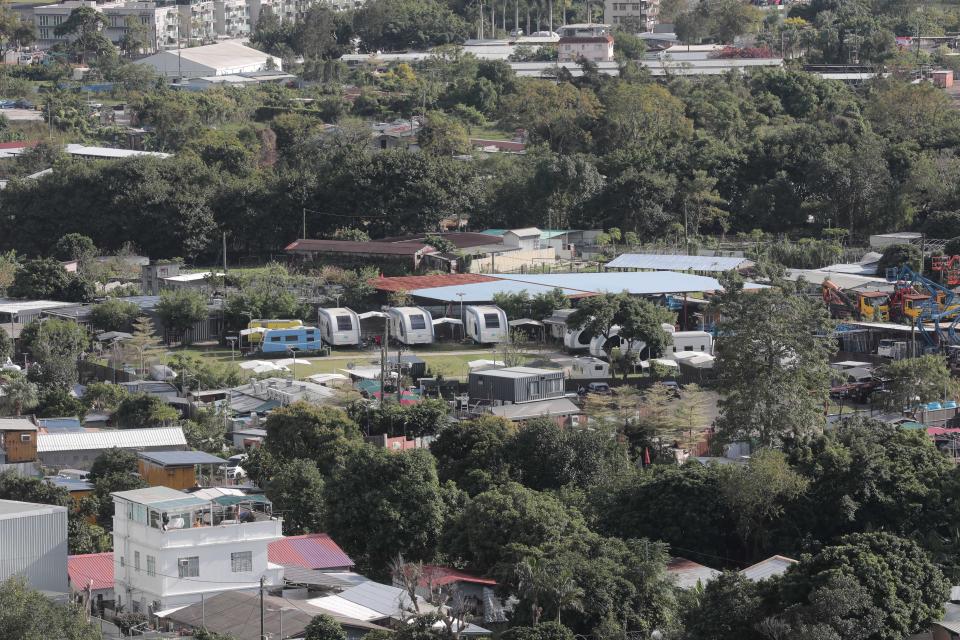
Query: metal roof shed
x: 516, y: 384
x: 669, y: 262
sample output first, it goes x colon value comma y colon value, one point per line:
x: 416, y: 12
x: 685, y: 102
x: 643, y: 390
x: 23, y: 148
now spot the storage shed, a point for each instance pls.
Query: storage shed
x: 486, y: 324
x: 176, y: 469
x: 339, y: 326
x: 411, y: 325
x: 516, y: 384
x: 18, y: 440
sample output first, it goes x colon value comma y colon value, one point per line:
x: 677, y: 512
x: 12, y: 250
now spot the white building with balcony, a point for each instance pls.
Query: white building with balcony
x: 159, y: 21
x: 592, y: 42
x: 231, y: 18
x: 172, y: 548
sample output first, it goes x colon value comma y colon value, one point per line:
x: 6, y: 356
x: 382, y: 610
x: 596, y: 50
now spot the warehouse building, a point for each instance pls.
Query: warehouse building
x: 34, y: 544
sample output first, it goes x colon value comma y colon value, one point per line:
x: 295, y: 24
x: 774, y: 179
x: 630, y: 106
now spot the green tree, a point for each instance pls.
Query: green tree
x: 499, y: 525
x: 74, y: 246
x: 301, y: 430
x: 545, y: 631
x: 394, y: 25
x: 866, y: 475
x: 26, y: 613
x: 472, y: 453
x: 114, y: 315
x: 41, y: 279
x: 897, y: 256
x: 916, y: 381
x: 55, y: 345
x: 895, y: 574
x: 142, y: 410
x: 85, y: 25
x: 113, y: 461
x: 443, y: 135
x: 104, y: 396
x: 14, y: 486
x: 772, y: 363
x: 560, y: 115
x: 180, y: 309
x: 6, y: 345
x: 394, y: 494
x: 323, y: 627
x: 101, y: 503
x: 759, y: 493
x: 731, y: 606
x: 296, y: 490
x: 206, y: 431
x: 19, y: 396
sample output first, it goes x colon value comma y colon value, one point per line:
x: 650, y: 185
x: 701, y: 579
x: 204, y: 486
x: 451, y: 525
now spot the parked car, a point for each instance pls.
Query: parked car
x: 232, y: 470
x: 601, y: 388
x: 673, y: 386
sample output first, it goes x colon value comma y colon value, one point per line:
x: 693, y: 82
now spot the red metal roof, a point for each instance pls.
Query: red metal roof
x: 441, y: 576
x: 359, y: 248
x: 310, y: 551
x: 409, y: 283
x: 18, y: 144
x: 97, y: 567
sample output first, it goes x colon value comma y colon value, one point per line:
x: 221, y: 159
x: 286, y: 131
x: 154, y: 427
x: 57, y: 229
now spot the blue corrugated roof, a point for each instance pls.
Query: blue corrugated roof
x: 668, y: 262
x: 494, y: 232
x: 574, y: 284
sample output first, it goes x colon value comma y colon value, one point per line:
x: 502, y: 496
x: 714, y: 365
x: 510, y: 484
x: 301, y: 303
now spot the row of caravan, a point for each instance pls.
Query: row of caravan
x: 600, y: 347
x: 340, y: 327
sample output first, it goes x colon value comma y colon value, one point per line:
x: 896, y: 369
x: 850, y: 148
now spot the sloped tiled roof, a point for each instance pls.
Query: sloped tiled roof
x: 97, y: 567
x: 310, y: 551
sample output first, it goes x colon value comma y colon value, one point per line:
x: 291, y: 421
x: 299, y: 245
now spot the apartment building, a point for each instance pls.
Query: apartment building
x: 160, y: 21
x: 635, y: 16
x: 172, y: 548
x: 197, y: 24
x: 231, y: 18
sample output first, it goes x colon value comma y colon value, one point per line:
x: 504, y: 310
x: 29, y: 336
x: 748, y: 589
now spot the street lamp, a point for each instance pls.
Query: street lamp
x: 463, y: 327
x: 294, y: 350
x: 233, y: 342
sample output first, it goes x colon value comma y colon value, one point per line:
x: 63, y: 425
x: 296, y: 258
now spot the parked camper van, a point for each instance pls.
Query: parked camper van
x: 299, y: 338
x: 255, y: 338
x: 339, y: 326
x: 486, y: 324
x: 411, y: 325
x: 698, y: 341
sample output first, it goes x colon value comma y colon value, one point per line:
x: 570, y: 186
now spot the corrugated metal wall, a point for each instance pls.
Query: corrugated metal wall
x: 35, y: 546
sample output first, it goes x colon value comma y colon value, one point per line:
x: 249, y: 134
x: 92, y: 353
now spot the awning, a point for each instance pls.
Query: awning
x: 372, y: 314
x: 439, y: 321
x: 526, y: 322
x: 165, y: 612
x: 247, y: 332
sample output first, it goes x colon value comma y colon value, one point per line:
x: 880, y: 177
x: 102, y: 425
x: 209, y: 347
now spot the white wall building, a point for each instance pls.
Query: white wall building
x: 592, y: 42
x: 172, y: 548
x: 635, y: 16
x: 223, y: 58
x: 161, y: 23
x: 33, y: 544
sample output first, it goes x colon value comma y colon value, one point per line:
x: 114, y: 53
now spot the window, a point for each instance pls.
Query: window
x: 241, y: 561
x: 151, y: 566
x: 344, y: 323
x: 491, y: 320
x: 188, y: 567
x: 274, y: 338
x: 122, y: 563
x: 690, y: 348
x: 136, y: 561
x: 292, y: 338
x: 24, y: 437
x: 418, y: 322
x: 533, y: 388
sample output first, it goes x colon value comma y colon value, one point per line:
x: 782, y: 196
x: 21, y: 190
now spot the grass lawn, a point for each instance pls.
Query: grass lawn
x: 490, y: 132
x: 439, y: 362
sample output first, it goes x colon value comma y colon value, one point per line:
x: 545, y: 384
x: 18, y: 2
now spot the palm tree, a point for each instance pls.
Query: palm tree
x: 19, y: 394
x: 565, y: 592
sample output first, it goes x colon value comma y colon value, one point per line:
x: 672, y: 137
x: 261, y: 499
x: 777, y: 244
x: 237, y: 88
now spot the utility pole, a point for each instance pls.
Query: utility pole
x: 304, y: 236
x: 224, y: 256
x: 262, y: 635
x: 383, y: 355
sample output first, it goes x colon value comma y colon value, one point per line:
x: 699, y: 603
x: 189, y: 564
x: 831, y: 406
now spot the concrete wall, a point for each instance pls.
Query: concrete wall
x: 514, y: 261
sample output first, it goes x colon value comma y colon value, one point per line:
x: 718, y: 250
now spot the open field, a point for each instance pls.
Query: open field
x: 448, y: 360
